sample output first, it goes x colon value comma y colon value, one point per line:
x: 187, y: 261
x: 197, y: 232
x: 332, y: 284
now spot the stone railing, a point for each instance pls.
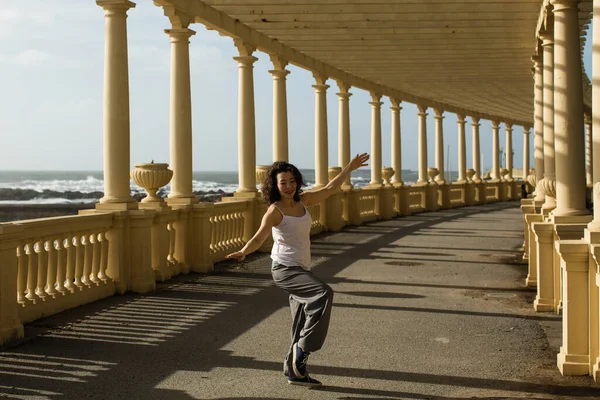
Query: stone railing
x: 53, y: 264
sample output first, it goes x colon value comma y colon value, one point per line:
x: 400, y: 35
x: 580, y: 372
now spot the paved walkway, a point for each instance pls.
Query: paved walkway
x: 430, y: 306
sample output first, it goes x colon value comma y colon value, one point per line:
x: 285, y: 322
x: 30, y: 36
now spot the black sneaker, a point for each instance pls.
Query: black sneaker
x: 306, y: 381
x: 299, y: 362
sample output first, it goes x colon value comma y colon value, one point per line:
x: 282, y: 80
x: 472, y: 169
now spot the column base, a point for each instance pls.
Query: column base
x: 596, y: 370
x: 241, y: 195
x: 530, y: 281
x: 571, y: 364
x: 117, y: 206
x: 543, y: 305
x: 181, y: 201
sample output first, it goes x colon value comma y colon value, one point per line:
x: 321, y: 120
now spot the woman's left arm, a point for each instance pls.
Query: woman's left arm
x: 319, y: 195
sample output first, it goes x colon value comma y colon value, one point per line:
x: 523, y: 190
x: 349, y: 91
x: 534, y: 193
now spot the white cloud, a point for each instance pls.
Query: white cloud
x: 25, y: 58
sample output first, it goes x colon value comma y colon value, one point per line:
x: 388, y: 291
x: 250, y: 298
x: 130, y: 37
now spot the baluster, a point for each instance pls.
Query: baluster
x: 70, y: 267
x: 103, y: 257
x: 32, y: 263
x: 213, y: 233
x: 94, y: 276
x: 78, y: 261
x: 42, y: 250
x: 61, y: 265
x: 87, y: 259
x: 222, y: 231
x: 21, y: 274
x: 217, y: 231
x: 171, y: 235
x: 51, y: 275
x: 228, y: 231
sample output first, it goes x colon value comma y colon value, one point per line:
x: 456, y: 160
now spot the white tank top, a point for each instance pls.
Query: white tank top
x: 291, y: 240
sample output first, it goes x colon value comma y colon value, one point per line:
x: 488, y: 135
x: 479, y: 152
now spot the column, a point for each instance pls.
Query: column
x: 280, y: 119
x: 422, y: 145
x: 462, y: 149
x: 375, y: 139
x: 568, y: 105
x: 180, y: 129
x: 589, y: 157
x: 595, y: 224
x: 246, y: 122
x: 439, y: 145
x: 321, y: 166
x: 495, y: 150
x: 396, y: 143
x: 549, y: 182
x: 538, y: 127
x: 509, y: 151
x: 116, y: 107
x: 344, y: 155
x: 526, y: 154
x: 476, y: 151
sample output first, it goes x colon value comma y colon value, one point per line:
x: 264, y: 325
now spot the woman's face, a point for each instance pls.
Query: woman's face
x: 286, y: 184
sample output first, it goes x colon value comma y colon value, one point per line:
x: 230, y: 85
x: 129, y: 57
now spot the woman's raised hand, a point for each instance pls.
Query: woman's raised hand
x: 359, y: 161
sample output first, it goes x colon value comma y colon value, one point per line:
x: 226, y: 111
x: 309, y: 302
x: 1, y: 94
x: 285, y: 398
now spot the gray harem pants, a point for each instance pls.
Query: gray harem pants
x: 310, y: 303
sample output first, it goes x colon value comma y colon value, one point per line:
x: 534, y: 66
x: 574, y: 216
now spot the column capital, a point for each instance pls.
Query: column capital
x: 422, y: 109
x: 245, y: 61
x: 343, y: 86
x: 495, y: 124
x: 547, y: 38
x: 475, y: 121
x: 115, y: 6
x: 395, y: 102
x: 177, y: 17
x: 537, y: 61
x: 343, y: 95
x: 439, y: 114
x: 279, y: 73
x: 320, y: 88
x: 375, y: 97
x: 508, y: 127
x: 560, y: 5
x: 395, y: 108
x: 320, y: 79
x: 279, y: 63
x: 376, y: 104
x: 526, y: 130
x: 460, y: 118
x: 244, y: 48
x: 180, y: 34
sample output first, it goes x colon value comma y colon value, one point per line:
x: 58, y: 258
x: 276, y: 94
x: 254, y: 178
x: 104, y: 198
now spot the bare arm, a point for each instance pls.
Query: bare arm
x: 271, y: 218
x: 319, y: 195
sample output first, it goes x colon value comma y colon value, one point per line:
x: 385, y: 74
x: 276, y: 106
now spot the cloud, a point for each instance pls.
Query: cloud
x: 25, y: 58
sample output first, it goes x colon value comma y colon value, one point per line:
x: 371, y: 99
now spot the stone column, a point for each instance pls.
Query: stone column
x: 180, y: 112
x: 375, y: 139
x: 462, y: 149
x: 589, y: 157
x: 246, y: 121
x: 495, y: 175
x: 538, y: 128
x: 321, y: 167
x: 568, y: 106
x: 526, y: 154
x: 396, y: 143
x: 439, y: 145
x: 509, y: 151
x: 476, y: 151
x: 549, y: 182
x: 422, y: 180
x: 280, y: 119
x: 344, y: 155
x: 116, y: 108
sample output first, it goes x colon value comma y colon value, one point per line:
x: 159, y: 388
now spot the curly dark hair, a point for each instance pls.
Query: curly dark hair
x: 269, y: 188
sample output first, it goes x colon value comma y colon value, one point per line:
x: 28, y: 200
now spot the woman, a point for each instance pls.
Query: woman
x: 289, y: 221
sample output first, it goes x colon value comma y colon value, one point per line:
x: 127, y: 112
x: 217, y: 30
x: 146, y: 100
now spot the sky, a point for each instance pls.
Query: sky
x: 51, y: 75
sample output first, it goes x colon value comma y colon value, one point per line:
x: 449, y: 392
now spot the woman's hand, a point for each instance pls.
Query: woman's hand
x: 238, y: 255
x: 359, y: 161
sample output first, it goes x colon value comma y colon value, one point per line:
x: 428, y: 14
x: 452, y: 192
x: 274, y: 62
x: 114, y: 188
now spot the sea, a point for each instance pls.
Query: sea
x: 63, y: 187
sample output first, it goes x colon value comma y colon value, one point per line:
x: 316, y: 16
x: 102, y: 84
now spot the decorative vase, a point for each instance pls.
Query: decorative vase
x: 387, y: 173
x: 261, y: 171
x: 470, y: 174
x: 432, y: 173
x: 151, y: 177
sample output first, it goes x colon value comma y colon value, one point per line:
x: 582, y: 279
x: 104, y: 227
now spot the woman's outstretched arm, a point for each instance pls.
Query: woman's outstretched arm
x: 317, y: 196
x: 271, y: 218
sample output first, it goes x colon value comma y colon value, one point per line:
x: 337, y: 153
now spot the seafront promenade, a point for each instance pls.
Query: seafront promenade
x: 427, y: 306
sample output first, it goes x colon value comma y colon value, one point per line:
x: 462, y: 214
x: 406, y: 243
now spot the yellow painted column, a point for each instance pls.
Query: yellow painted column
x: 538, y: 127
x: 116, y: 108
x: 422, y: 180
x: 396, y: 143
x: 344, y: 129
x: 321, y: 167
x: 495, y: 175
x: 462, y: 149
x: 476, y: 150
x: 526, y: 153
x: 181, y: 118
x: 509, y: 151
x: 589, y: 156
x: 280, y: 118
x: 549, y: 182
x: 439, y: 145
x: 375, y: 139
x: 568, y: 105
x: 246, y: 122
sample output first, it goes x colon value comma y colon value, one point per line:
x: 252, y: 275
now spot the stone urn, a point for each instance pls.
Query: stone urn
x: 470, y: 174
x: 261, y: 171
x: 503, y: 173
x: 532, y: 181
x: 387, y: 174
x: 432, y: 173
x: 151, y: 177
